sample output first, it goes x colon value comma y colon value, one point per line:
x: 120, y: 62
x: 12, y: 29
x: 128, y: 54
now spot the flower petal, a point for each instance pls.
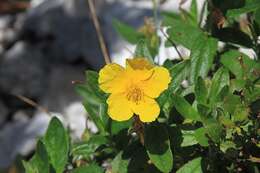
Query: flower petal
x: 157, y: 82
x: 109, y: 78
x: 138, y: 64
x: 148, y: 110
x: 119, y: 108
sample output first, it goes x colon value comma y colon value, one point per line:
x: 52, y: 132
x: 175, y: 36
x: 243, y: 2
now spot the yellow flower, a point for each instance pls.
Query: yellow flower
x: 133, y: 89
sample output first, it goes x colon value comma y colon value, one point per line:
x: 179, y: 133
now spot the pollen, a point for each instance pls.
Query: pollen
x: 134, y: 94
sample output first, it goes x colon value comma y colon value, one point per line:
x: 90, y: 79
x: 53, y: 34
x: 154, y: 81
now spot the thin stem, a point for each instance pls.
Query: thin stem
x: 174, y: 45
x: 155, y: 12
x: 202, y: 12
x: 139, y: 128
x: 99, y: 33
x: 32, y: 103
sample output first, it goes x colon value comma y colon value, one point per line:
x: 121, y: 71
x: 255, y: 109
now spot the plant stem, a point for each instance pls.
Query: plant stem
x: 139, y: 128
x: 99, y: 33
x: 173, y: 44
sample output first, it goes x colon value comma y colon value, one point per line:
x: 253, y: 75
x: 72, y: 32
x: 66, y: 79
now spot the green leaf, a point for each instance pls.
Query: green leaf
x: 179, y: 73
x: 29, y: 168
x: 193, y: 166
x: 94, y: 100
x: 40, y: 159
x: 250, y: 6
x: 116, y: 126
x: 202, y: 56
x: 97, y: 113
x: 194, y: 11
x: 231, y: 61
x: 181, y: 32
x: 257, y: 16
x: 157, y: 145
x: 230, y: 102
x: 92, y: 168
x: 120, y: 165
x: 142, y: 51
x: 188, y: 138
x: 224, y: 146
x: 86, y: 149
x: 57, y: 145
x: 200, y: 136
x: 185, y: 109
x: 88, y: 94
x: 240, y: 64
x: 92, y: 81
x: 201, y: 91
x: 127, y: 32
x: 220, y: 79
x: 39, y: 162
x: 214, y: 129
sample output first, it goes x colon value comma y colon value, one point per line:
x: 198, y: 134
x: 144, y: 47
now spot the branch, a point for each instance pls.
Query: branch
x: 99, y: 33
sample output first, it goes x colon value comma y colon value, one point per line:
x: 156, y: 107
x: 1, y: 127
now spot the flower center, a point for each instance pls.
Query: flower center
x: 134, y: 94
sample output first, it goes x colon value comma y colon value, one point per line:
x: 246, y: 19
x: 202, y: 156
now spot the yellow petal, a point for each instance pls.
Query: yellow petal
x: 148, y: 110
x: 157, y: 82
x: 138, y: 64
x: 110, y: 78
x: 119, y: 108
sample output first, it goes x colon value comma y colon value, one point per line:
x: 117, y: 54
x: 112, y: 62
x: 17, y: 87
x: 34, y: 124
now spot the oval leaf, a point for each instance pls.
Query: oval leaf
x: 157, y: 145
x: 57, y: 144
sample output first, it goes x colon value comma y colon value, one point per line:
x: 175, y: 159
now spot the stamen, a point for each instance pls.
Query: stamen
x: 134, y: 94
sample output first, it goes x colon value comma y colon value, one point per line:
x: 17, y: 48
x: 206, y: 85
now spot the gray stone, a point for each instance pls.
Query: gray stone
x: 64, y: 30
x: 19, y: 137
x: 60, y: 92
x: 3, y: 113
x: 23, y: 71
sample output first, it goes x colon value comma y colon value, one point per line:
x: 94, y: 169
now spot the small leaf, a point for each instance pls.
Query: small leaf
x: 250, y: 6
x: 214, y: 129
x: 142, y: 51
x: 94, y: 100
x: 181, y: 32
x: 157, y: 145
x: 94, y: 112
x: 201, y: 91
x: 202, y: 56
x: 127, y: 32
x: 224, y: 146
x: 193, y: 166
x: 220, y: 80
x: 40, y: 159
x: 194, y: 11
x: 240, y: 64
x: 86, y: 149
x: 185, y: 109
x: 116, y: 126
x: 200, y: 135
x: 120, y: 165
x: 39, y: 162
x: 179, y: 73
x: 57, y: 144
x: 188, y: 138
x: 92, y: 168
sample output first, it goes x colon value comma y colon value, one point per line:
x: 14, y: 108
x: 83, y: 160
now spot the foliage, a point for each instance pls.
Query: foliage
x: 210, y: 124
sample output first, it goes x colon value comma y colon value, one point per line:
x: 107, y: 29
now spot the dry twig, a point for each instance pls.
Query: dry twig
x: 98, y: 30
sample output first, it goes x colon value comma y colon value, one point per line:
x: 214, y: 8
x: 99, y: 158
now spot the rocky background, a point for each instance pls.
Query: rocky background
x: 44, y: 46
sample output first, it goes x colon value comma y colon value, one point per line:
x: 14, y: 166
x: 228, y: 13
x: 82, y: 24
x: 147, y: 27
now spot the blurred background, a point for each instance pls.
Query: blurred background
x: 44, y: 46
